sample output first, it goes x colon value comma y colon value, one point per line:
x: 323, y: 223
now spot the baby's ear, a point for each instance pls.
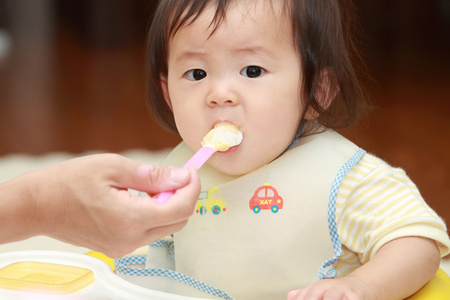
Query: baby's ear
x: 165, y: 89
x: 325, y: 91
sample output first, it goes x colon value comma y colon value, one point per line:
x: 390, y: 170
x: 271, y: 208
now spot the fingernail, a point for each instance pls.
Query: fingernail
x: 179, y: 175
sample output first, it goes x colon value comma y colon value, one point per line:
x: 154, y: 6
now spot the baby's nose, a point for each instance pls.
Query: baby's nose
x: 222, y: 96
x: 221, y: 101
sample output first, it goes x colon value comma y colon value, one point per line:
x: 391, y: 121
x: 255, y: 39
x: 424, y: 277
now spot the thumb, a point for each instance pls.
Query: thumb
x: 156, y: 179
x: 153, y: 179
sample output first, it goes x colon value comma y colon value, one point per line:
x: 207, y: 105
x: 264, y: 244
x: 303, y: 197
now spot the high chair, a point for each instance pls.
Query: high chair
x: 437, y: 288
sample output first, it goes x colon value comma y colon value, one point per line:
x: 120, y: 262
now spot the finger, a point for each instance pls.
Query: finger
x: 298, y: 294
x: 161, y: 232
x: 156, y: 179
x: 189, y: 193
x: 312, y: 292
x: 293, y: 294
x: 334, y: 294
x: 179, y: 207
x: 152, y: 179
x: 125, y: 247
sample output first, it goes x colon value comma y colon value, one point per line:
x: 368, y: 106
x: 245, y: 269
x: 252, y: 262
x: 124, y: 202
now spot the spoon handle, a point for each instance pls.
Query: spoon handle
x: 197, y: 160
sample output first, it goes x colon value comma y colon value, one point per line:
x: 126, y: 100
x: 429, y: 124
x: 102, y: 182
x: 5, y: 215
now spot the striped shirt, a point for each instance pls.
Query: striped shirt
x: 375, y: 204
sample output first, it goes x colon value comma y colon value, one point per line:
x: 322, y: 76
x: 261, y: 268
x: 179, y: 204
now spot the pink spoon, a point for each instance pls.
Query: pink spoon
x: 221, y: 138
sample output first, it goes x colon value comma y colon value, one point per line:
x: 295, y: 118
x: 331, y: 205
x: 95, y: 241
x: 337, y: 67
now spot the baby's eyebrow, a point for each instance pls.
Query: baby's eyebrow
x: 186, y: 55
x: 258, y: 50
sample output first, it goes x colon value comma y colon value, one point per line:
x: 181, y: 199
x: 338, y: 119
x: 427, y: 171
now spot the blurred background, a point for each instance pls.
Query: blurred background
x: 72, y: 79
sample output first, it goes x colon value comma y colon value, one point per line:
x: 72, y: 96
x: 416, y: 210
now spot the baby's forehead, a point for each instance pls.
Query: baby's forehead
x: 219, y: 12
x: 246, y: 31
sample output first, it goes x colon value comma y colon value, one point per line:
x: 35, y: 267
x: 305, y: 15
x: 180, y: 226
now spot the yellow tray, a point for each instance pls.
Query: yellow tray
x: 45, y: 277
x: 437, y: 289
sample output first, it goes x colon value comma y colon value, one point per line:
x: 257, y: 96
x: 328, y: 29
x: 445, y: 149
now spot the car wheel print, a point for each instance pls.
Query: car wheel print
x: 216, y: 210
x: 202, y: 210
x: 274, y: 209
x: 256, y: 209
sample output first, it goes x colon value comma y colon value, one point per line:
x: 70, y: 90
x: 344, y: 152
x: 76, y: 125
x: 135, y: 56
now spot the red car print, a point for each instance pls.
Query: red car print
x: 266, y: 197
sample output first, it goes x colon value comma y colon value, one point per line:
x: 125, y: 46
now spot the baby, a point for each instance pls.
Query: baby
x: 296, y: 210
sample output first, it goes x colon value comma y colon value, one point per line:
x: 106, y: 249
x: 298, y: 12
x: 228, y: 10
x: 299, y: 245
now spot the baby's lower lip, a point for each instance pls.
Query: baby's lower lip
x: 229, y: 151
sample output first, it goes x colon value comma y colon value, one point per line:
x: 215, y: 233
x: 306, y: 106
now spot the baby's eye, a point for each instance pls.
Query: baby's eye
x: 252, y: 71
x: 195, y: 74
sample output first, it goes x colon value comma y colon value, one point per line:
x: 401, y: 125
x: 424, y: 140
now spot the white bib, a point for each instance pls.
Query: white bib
x: 260, y: 235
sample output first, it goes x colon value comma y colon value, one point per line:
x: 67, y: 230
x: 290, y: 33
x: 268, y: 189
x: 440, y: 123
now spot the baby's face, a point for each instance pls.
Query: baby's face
x: 247, y: 73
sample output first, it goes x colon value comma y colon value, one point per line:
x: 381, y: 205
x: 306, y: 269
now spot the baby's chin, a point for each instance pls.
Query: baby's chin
x: 234, y: 166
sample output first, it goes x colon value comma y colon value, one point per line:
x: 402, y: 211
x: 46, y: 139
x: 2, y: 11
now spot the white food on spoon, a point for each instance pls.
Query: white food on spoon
x: 222, y: 137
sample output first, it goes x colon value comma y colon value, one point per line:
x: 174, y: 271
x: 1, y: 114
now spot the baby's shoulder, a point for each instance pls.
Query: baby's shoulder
x: 371, y: 166
x: 372, y: 175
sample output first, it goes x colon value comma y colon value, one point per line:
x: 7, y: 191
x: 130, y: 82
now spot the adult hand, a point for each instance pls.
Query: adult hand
x: 85, y: 202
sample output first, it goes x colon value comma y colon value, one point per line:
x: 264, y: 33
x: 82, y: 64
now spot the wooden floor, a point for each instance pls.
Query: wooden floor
x: 59, y: 92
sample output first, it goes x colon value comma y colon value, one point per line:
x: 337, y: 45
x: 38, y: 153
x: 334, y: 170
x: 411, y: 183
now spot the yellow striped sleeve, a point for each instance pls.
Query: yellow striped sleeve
x: 377, y: 203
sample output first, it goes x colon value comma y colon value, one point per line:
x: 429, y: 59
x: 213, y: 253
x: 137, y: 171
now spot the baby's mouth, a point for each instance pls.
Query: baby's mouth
x: 222, y: 137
